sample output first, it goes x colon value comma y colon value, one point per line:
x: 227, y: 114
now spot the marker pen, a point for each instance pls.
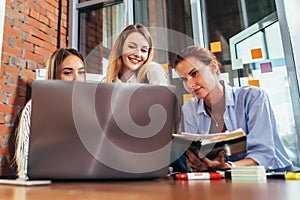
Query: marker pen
x: 284, y: 175
x: 199, y: 176
x: 292, y: 176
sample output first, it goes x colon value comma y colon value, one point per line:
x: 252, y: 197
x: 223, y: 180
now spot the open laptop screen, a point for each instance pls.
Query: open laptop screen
x: 100, y: 130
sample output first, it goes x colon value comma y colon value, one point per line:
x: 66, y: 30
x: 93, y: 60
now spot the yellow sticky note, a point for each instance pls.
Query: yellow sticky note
x: 186, y: 97
x: 253, y: 82
x: 256, y: 53
x: 215, y: 47
x: 166, y: 67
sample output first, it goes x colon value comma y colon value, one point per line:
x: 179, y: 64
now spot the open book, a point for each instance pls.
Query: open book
x: 210, y: 144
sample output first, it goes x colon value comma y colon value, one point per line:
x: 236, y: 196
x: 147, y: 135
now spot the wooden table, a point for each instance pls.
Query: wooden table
x: 156, y: 189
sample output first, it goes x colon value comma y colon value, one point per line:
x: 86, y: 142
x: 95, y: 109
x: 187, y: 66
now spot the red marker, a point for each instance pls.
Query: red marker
x: 199, y: 176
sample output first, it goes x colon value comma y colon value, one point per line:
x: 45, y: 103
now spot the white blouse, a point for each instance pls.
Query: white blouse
x: 156, y: 75
x: 22, y: 142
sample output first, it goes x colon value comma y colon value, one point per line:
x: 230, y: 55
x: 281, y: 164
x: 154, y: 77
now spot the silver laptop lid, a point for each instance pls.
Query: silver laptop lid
x: 100, y: 130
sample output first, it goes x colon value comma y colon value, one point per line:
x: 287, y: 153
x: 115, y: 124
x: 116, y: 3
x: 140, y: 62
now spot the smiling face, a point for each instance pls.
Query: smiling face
x: 198, y: 78
x: 72, y: 69
x: 135, y: 51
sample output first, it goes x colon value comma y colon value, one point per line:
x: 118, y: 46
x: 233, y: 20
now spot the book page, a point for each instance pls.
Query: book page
x: 211, y: 138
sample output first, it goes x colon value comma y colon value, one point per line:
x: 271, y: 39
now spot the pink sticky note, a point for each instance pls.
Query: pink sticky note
x: 266, y: 67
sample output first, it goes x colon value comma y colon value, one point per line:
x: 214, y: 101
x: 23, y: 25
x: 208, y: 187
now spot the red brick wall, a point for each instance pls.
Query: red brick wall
x: 31, y: 34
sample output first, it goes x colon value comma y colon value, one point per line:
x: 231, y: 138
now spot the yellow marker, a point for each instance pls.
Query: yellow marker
x: 292, y: 176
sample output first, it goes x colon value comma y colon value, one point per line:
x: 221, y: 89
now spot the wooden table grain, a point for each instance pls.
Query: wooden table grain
x: 156, y: 189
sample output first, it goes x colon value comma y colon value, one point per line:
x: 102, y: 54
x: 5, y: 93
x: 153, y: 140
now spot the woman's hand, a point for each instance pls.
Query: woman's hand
x: 201, y: 163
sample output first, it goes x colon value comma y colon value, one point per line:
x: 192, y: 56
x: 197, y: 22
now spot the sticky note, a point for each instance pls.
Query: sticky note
x: 250, y: 76
x: 186, y: 97
x: 165, y: 66
x: 174, y: 73
x: 256, y: 53
x: 253, y: 82
x: 266, y: 67
x: 237, y: 64
x: 215, y: 47
x: 244, y: 81
x: 224, y: 76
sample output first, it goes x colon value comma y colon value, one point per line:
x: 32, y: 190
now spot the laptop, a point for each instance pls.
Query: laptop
x: 100, y: 131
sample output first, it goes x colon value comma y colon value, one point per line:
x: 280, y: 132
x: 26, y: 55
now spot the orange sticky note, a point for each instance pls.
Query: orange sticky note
x: 186, y: 97
x: 256, y: 53
x: 215, y: 47
x: 253, y: 82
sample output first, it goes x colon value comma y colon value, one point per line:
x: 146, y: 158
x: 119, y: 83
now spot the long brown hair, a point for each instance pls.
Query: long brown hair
x: 56, y: 59
x: 115, y: 58
x: 22, y: 138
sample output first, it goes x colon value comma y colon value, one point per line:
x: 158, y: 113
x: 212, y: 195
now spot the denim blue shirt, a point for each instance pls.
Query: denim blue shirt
x: 247, y: 108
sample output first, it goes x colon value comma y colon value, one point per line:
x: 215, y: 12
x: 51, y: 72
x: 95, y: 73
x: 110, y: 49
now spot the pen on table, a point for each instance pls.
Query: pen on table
x: 199, y: 176
x: 292, y: 176
x: 275, y: 175
x: 284, y: 175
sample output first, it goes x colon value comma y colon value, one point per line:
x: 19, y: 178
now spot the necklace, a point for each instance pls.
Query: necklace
x: 212, y: 117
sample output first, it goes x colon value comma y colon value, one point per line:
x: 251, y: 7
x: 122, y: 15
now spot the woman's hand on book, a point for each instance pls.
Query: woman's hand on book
x: 201, y: 163
x: 194, y: 162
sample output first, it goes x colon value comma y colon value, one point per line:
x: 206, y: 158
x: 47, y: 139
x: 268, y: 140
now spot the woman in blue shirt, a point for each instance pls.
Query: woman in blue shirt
x: 217, y: 107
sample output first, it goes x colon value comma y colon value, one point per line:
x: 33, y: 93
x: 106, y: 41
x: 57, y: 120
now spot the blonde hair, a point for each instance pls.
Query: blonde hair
x: 115, y: 58
x: 202, y: 54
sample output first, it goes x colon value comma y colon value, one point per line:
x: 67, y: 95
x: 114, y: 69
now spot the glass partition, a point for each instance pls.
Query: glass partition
x: 267, y: 69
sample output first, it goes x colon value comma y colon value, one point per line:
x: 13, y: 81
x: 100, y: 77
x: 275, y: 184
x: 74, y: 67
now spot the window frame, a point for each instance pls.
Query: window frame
x: 199, y: 22
x: 289, y: 27
x: 75, y: 8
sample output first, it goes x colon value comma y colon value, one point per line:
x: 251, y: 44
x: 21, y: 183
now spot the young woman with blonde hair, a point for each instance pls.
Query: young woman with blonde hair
x: 130, y: 60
